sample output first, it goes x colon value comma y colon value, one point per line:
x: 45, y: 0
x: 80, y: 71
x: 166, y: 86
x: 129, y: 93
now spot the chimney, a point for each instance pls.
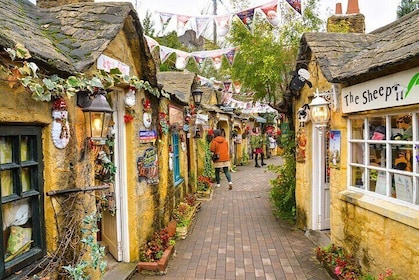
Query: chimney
x: 352, y: 22
x: 353, y: 7
x: 338, y: 9
x: 57, y: 3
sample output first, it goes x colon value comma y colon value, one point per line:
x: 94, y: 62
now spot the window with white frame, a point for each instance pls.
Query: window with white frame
x: 384, y: 155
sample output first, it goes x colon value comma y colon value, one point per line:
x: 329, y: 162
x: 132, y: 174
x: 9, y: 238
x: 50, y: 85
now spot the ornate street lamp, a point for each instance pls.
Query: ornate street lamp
x: 319, y: 111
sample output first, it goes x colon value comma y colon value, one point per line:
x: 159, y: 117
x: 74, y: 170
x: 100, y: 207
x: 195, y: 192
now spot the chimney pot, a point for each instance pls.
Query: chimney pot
x: 338, y: 9
x: 353, y: 7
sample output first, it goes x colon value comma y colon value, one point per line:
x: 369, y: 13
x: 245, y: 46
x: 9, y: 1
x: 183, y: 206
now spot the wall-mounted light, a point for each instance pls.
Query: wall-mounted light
x: 97, y: 116
x: 197, y: 97
x: 319, y: 110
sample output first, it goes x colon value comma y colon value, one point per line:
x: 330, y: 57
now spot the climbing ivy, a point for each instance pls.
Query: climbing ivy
x: 49, y: 87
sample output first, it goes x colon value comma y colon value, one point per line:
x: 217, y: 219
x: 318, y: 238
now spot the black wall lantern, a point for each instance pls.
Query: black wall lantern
x: 197, y: 97
x: 97, y: 116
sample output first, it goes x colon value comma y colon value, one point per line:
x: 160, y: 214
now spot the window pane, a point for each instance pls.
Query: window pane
x: 378, y: 155
x: 6, y: 182
x: 377, y: 128
x: 357, y: 128
x: 403, y: 127
x: 17, y: 228
x: 357, y: 153
x: 24, y: 148
x: 26, y: 179
x: 5, y: 150
x: 357, y: 177
x: 402, y: 157
x: 403, y: 186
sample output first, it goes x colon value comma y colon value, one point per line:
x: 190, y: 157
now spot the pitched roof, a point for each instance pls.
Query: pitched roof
x: 69, y: 38
x: 354, y: 57
x: 178, y: 84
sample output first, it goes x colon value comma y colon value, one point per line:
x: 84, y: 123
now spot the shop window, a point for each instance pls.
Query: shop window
x: 21, y: 185
x: 176, y: 161
x: 384, y: 155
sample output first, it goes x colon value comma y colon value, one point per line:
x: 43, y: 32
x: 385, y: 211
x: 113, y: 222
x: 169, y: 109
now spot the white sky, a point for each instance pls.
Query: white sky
x: 377, y: 12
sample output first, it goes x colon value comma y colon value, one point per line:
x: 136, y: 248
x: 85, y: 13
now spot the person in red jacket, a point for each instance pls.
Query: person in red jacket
x: 219, y: 146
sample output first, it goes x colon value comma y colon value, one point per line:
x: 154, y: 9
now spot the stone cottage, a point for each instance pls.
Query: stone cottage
x: 53, y: 174
x: 358, y: 175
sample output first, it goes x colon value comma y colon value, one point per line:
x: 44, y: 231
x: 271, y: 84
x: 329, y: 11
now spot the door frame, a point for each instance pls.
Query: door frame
x: 318, y: 221
x: 121, y: 195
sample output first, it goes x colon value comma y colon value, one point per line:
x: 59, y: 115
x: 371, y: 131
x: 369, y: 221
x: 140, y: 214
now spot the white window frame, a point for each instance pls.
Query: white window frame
x: 366, y: 167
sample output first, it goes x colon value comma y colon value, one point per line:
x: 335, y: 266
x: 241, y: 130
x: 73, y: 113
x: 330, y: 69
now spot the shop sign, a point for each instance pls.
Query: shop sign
x: 389, y: 91
x: 147, y: 167
x: 147, y: 136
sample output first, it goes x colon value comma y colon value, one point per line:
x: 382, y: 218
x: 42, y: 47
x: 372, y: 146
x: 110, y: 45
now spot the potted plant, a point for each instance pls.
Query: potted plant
x: 155, y: 253
x: 184, y: 215
x: 204, y: 189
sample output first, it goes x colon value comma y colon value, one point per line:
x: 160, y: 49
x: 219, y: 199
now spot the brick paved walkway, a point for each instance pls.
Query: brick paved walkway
x: 236, y: 236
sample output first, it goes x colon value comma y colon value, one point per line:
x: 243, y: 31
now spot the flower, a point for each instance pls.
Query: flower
x: 204, y: 183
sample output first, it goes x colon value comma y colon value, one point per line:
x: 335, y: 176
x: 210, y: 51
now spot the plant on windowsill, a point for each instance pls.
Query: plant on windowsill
x: 155, y: 254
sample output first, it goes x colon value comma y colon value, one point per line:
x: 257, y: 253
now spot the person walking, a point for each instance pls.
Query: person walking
x: 256, y: 142
x: 219, y: 146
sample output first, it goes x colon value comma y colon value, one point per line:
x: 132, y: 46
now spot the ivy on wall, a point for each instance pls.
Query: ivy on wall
x: 50, y: 87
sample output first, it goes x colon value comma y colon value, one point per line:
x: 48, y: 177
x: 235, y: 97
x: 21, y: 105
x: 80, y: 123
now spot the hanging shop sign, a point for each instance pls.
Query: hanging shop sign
x: 389, y: 91
x: 335, y: 153
x: 147, y: 136
x: 107, y: 63
x: 176, y: 116
x: 147, y: 167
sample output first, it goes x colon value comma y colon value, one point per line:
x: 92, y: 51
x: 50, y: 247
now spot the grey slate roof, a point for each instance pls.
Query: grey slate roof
x: 69, y: 38
x: 354, y: 57
x: 178, y: 84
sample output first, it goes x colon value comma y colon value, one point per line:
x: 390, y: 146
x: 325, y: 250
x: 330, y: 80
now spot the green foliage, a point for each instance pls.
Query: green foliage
x: 282, y: 193
x: 268, y: 55
x: 407, y: 6
x: 148, y: 24
x: 153, y: 250
x: 89, y: 230
x: 45, y: 88
x: 207, y: 159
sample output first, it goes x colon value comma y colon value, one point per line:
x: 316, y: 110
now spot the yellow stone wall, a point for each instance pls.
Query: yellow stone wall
x: 358, y: 222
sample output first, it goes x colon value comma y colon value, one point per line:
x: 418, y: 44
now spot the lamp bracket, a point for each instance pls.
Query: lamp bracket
x: 330, y: 96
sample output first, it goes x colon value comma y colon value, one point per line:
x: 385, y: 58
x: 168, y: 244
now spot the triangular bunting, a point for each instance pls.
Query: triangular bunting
x: 237, y: 87
x: 217, y: 61
x: 223, y: 25
x: 230, y: 56
x: 200, y: 61
x: 182, y: 24
x: 164, y: 20
x: 152, y: 44
x: 201, y: 25
x: 181, y: 59
x: 296, y: 5
x: 271, y: 13
x: 247, y: 18
x: 227, y: 85
x: 165, y: 52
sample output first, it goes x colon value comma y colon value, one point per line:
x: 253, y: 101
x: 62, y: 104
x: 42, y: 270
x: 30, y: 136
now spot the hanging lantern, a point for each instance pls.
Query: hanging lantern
x: 319, y: 110
x: 97, y: 117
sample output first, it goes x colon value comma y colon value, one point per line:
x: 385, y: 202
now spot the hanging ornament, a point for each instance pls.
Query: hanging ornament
x: 163, y: 123
x: 147, y: 113
x: 130, y: 98
x: 60, y: 128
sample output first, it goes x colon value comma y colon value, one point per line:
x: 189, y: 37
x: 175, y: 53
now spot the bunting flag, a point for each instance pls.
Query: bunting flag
x: 237, y: 87
x: 164, y: 20
x: 246, y: 18
x: 296, y: 5
x: 200, y: 62
x: 223, y: 25
x: 201, y: 25
x: 165, y: 52
x: 152, y: 44
x: 182, y: 22
x: 227, y: 85
x: 181, y: 59
x: 270, y: 11
x: 217, y: 61
x: 230, y: 56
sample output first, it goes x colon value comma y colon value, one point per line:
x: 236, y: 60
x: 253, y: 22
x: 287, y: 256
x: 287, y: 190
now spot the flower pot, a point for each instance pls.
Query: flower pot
x: 157, y: 267
x: 204, y: 195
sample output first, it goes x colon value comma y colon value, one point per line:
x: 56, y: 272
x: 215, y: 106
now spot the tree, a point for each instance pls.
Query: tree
x: 148, y: 24
x: 407, y: 6
x: 267, y: 56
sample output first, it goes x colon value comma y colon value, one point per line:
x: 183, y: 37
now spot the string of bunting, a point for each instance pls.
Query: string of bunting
x: 271, y: 11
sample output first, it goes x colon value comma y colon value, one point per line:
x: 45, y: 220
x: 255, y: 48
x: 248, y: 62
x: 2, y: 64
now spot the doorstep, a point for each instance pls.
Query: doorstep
x: 122, y: 271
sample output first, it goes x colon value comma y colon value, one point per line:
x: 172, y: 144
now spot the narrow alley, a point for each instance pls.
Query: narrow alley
x: 236, y: 236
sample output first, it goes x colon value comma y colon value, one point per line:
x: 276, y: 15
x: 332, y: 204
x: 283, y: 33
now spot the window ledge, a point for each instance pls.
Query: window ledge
x: 400, y: 213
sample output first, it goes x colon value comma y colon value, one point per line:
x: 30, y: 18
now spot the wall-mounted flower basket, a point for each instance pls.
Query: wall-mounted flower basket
x: 158, y: 267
